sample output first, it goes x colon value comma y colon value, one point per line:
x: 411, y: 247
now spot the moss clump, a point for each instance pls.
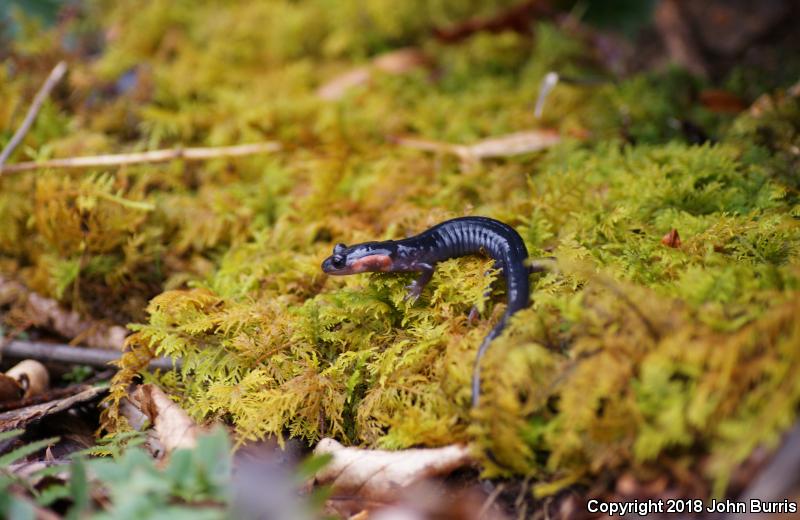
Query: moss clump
x: 632, y: 354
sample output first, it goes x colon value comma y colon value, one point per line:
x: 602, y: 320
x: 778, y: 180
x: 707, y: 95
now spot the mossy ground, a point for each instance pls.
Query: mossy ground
x: 632, y: 353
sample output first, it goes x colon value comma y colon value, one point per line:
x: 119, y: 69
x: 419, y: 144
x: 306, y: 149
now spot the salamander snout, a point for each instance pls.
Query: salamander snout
x: 334, y: 264
x: 358, y: 259
x: 337, y: 262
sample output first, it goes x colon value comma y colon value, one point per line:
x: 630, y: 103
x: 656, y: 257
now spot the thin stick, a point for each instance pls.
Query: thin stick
x: 152, y: 156
x: 54, y: 352
x: 52, y: 80
x: 482, y: 513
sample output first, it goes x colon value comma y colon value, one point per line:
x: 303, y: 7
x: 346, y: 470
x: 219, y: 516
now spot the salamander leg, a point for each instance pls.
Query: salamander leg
x: 416, y: 287
x: 541, y: 265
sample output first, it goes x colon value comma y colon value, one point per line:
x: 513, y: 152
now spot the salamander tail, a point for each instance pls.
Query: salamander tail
x: 476, y: 371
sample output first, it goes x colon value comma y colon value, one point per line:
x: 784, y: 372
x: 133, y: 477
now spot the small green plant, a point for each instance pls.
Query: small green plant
x: 13, y: 489
x: 138, y: 488
x: 193, y: 483
x: 78, y: 374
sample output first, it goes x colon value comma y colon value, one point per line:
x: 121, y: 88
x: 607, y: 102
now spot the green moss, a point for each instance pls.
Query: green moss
x: 633, y: 353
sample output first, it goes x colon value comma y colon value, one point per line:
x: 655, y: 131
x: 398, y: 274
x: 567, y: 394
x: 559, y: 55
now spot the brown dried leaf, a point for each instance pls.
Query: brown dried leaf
x: 47, y: 313
x: 10, y: 389
x: 429, y: 499
x: 172, y: 425
x: 721, y: 101
x: 377, y: 474
x: 671, y: 239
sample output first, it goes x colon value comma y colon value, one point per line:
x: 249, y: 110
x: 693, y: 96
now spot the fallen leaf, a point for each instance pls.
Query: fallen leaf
x: 397, y: 62
x: 10, y: 389
x: 47, y: 313
x: 377, y: 474
x: 721, y: 101
x: 428, y: 499
x: 173, y: 427
x: 671, y: 239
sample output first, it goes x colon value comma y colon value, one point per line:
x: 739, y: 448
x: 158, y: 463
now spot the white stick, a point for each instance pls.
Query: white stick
x: 52, y: 80
x: 189, y: 154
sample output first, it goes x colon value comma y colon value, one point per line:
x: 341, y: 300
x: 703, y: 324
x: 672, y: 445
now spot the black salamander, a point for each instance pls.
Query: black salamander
x: 450, y: 239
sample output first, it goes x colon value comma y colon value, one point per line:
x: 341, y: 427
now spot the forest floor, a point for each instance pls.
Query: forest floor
x: 173, y: 174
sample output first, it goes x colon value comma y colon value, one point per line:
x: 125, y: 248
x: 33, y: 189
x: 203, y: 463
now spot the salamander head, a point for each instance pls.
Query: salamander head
x: 360, y: 258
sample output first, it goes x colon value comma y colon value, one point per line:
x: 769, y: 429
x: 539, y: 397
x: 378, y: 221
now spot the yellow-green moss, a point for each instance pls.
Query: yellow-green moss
x: 632, y: 351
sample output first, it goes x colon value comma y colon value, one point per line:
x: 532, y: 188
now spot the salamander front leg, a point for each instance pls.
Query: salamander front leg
x: 541, y: 265
x: 416, y: 287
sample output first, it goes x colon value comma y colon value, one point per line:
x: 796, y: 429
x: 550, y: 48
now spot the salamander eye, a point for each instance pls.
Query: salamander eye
x: 338, y: 261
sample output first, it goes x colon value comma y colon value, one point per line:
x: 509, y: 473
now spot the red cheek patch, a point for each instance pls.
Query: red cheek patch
x: 373, y: 263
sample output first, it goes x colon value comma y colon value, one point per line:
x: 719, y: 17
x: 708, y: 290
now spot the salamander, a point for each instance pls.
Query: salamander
x: 450, y: 239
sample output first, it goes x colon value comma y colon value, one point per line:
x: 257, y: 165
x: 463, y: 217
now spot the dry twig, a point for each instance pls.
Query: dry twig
x: 59, y: 353
x: 152, y: 156
x: 678, y: 38
x: 52, y: 80
x: 22, y: 417
x: 506, y: 145
x: 490, y: 500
